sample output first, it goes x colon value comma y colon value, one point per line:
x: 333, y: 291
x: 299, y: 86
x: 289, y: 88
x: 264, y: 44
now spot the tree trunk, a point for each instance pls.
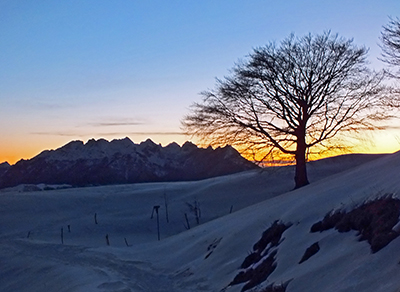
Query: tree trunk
x: 300, y: 177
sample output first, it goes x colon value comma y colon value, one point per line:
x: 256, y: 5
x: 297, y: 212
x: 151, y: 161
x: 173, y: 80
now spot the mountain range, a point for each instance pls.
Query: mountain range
x: 100, y: 162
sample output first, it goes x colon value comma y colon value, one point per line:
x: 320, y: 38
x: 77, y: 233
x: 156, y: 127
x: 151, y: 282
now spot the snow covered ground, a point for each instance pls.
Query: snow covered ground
x: 104, y: 239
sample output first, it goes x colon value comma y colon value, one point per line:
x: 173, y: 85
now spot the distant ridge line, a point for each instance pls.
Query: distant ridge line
x: 101, y: 162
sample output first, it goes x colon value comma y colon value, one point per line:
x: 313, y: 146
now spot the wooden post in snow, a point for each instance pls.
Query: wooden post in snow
x: 155, y: 208
x: 62, y: 235
x: 166, y: 206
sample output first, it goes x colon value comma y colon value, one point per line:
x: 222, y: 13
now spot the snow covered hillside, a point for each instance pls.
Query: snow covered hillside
x: 242, y: 231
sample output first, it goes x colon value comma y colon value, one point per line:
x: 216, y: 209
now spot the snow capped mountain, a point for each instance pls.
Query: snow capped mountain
x: 99, y: 162
x: 4, y: 167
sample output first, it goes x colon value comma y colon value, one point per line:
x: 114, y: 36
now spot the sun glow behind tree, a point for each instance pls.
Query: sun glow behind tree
x: 294, y: 98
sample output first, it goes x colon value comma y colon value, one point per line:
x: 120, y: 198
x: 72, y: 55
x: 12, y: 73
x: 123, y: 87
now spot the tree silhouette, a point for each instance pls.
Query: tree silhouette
x: 291, y: 97
x: 390, y: 38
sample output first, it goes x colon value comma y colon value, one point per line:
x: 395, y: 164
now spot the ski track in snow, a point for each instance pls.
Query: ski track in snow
x: 97, y: 271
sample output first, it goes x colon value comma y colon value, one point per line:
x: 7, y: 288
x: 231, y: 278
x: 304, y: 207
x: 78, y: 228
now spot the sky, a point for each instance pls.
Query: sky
x: 76, y: 70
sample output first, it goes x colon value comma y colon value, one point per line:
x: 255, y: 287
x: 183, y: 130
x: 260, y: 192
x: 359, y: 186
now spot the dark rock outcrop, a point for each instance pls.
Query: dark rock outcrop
x: 375, y: 221
x: 259, y: 265
x: 310, y: 251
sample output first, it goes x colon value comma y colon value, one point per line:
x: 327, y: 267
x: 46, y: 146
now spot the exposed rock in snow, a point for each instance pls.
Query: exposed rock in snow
x: 262, y: 261
x: 375, y: 221
x: 310, y: 251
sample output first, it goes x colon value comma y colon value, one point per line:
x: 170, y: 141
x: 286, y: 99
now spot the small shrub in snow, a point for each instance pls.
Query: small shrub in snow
x: 195, y: 210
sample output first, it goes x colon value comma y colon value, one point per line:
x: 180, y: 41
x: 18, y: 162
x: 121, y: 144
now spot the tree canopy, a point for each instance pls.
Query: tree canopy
x: 390, y: 38
x: 291, y: 97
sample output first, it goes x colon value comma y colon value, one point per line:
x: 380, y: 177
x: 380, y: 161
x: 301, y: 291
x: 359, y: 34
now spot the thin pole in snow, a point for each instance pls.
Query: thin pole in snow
x: 166, y: 206
x: 187, y: 222
x: 155, y: 208
x: 62, y: 235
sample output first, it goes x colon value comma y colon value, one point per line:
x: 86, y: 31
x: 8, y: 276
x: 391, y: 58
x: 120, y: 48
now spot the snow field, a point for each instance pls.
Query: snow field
x: 206, y: 257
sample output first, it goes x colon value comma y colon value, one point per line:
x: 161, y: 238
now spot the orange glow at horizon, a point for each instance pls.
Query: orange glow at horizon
x: 15, y: 149
x: 380, y: 142
x: 12, y: 157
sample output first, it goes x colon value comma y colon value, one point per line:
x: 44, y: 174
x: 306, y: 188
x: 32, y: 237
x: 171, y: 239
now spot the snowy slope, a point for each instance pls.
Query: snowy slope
x: 206, y: 257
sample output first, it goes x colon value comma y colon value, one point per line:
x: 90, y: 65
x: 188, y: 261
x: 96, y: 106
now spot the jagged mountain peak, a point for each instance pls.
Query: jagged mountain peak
x: 149, y: 144
x: 4, y: 164
x: 73, y: 144
x: 93, y: 142
x: 98, y: 162
x: 4, y: 167
x: 173, y: 145
x: 188, y: 146
x: 125, y: 141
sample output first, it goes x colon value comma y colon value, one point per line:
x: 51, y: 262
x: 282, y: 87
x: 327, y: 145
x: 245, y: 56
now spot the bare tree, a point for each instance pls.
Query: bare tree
x: 390, y: 38
x: 291, y: 97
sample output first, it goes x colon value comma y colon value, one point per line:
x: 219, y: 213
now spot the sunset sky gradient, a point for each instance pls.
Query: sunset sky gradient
x: 76, y: 70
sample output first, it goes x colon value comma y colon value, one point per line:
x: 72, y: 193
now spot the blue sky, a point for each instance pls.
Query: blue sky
x: 94, y: 68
